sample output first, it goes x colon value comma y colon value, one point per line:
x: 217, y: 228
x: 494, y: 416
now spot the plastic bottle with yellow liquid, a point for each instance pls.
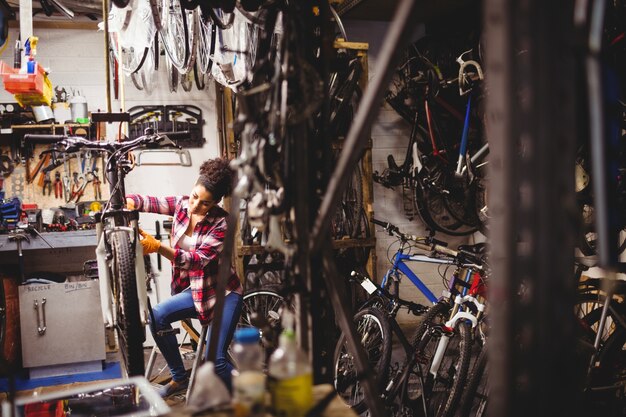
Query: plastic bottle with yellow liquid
x: 290, y: 375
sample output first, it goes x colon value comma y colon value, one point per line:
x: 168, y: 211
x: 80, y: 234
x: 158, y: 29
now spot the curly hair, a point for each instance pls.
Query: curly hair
x: 217, y: 177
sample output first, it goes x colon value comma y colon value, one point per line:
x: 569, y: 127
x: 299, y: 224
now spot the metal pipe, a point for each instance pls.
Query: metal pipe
x: 107, y: 57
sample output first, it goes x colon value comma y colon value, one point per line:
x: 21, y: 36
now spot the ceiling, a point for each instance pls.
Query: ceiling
x: 383, y: 10
x: 379, y: 10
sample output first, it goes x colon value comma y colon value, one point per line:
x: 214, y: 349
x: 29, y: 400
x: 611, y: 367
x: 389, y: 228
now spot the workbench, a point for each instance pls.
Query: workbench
x: 70, y: 250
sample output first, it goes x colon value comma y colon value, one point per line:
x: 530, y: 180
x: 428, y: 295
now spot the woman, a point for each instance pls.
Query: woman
x: 197, y: 237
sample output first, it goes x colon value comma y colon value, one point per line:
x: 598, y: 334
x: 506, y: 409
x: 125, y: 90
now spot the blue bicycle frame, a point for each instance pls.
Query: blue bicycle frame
x: 399, y: 265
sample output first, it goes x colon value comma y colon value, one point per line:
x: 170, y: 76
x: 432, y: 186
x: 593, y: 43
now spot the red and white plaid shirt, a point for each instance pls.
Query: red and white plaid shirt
x: 198, y: 267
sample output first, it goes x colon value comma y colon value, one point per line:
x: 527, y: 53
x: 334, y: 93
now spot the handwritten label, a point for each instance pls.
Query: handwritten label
x: 77, y: 286
x: 35, y: 288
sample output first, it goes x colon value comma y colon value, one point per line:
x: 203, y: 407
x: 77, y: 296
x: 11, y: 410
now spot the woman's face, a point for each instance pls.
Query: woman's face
x: 200, y: 200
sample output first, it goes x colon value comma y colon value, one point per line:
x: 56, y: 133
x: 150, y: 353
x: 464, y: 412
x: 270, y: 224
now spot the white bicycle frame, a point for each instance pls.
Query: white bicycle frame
x: 451, y: 324
x: 108, y: 302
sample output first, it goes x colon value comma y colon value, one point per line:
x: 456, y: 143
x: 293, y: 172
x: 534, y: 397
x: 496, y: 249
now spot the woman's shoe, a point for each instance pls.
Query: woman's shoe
x: 173, y: 387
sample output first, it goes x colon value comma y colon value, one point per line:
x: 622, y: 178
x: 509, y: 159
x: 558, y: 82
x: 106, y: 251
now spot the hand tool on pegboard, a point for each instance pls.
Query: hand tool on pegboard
x: 58, y: 185
x: 47, y: 184
x: 97, y: 194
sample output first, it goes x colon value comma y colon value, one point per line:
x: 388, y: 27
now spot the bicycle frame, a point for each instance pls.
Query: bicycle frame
x: 471, y: 293
x: 399, y: 264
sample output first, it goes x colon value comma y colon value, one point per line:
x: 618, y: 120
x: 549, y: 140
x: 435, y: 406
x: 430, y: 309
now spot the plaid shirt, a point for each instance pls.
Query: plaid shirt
x: 198, y: 267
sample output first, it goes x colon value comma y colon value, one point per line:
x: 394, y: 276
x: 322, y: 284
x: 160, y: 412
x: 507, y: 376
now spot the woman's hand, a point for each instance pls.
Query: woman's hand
x: 149, y: 243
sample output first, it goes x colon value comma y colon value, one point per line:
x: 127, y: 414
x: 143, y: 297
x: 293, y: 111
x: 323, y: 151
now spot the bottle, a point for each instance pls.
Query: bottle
x: 290, y: 375
x: 248, y: 378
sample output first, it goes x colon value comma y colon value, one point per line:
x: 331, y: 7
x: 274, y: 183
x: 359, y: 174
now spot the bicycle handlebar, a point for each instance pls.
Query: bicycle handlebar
x: 428, y: 243
x: 70, y: 144
x: 30, y: 137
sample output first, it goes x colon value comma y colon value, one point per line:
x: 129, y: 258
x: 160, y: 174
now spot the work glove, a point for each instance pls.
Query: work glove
x: 149, y: 243
x: 130, y: 204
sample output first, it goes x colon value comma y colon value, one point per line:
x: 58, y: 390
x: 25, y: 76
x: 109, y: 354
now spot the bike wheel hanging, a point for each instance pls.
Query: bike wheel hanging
x: 374, y: 333
x: 131, y: 332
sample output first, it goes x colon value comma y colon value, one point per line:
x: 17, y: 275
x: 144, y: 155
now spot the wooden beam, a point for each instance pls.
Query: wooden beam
x: 53, y: 24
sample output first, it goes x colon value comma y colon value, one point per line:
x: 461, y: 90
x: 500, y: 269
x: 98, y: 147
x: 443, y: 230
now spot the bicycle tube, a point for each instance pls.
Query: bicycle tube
x: 370, y: 323
x: 131, y: 331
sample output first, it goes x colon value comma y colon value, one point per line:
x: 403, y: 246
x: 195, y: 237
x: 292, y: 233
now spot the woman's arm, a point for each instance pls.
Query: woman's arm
x: 167, y: 251
x: 149, y: 204
x: 208, y: 251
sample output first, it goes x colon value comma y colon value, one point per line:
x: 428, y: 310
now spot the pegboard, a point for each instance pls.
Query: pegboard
x: 16, y: 185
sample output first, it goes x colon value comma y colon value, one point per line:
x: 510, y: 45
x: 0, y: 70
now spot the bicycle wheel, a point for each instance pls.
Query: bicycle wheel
x: 175, y: 33
x: 588, y: 310
x: 206, y: 44
x: 605, y: 395
x: 131, y: 332
x: 372, y: 326
x: 476, y: 393
x: 263, y: 308
x: 432, y: 209
x: 412, y: 389
x: 443, y: 392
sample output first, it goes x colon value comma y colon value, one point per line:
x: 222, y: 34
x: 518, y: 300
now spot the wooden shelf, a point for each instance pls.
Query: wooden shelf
x: 49, y: 126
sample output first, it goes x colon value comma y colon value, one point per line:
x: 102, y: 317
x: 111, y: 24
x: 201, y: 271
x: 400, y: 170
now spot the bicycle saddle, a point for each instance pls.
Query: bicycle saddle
x: 479, y: 249
x: 474, y: 253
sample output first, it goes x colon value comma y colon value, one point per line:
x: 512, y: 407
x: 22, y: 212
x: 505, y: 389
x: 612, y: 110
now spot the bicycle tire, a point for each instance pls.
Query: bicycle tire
x: 610, y: 373
x: 475, y: 396
x: 411, y: 393
x: 444, y: 391
x: 432, y: 210
x: 131, y: 332
x: 344, y: 374
x: 186, y: 81
x: 174, y: 32
x: 198, y: 77
x: 262, y: 308
x: 588, y: 309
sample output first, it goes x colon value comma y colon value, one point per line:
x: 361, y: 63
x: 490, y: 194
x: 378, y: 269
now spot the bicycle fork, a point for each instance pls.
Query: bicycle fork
x: 108, y: 303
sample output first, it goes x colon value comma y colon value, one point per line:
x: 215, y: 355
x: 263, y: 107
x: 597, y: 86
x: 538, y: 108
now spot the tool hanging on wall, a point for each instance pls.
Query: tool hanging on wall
x: 97, y: 194
x: 58, y: 185
x: 47, y: 184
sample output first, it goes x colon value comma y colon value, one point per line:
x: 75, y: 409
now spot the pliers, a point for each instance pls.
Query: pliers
x: 97, y: 195
x: 78, y: 186
x: 58, y: 185
x: 47, y: 184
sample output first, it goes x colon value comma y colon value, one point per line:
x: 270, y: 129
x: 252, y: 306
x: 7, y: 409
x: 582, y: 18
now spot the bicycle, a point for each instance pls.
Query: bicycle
x: 445, y: 338
x: 376, y: 320
x: 443, y: 179
x: 119, y: 254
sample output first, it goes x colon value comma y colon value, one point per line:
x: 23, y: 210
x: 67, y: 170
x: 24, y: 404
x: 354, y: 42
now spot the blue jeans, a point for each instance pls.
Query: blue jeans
x: 180, y: 306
